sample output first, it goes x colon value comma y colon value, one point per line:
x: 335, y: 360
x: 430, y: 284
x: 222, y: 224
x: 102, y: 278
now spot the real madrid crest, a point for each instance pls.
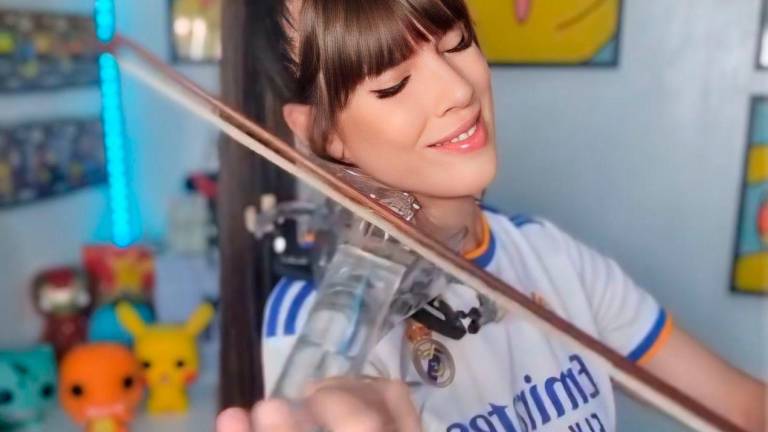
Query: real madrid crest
x: 430, y: 358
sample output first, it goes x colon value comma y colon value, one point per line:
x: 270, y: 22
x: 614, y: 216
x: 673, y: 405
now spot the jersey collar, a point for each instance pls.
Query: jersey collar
x: 483, y: 254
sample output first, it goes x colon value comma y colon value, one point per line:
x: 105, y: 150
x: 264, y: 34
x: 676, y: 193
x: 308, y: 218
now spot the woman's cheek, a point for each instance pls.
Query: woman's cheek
x: 394, y: 135
x: 386, y: 163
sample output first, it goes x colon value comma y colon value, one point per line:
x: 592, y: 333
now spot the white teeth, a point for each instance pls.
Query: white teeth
x: 465, y: 135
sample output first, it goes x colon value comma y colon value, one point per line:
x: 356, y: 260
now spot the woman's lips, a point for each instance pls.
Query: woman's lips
x: 478, y: 140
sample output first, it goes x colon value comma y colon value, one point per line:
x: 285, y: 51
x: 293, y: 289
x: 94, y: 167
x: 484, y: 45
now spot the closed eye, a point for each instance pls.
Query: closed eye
x: 392, y: 91
x: 464, y: 43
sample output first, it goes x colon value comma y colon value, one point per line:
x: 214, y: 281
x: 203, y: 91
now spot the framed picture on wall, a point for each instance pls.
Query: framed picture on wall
x: 762, y: 45
x: 195, y: 30
x: 548, y: 33
x: 750, y: 269
x: 44, y: 159
x: 42, y: 51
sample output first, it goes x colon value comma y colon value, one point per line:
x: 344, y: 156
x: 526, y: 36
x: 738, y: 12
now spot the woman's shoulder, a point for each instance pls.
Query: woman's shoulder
x: 532, y: 238
x: 517, y: 219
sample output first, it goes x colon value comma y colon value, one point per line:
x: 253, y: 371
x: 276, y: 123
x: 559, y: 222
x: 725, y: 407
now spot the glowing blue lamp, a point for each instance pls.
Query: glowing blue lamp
x: 124, y: 228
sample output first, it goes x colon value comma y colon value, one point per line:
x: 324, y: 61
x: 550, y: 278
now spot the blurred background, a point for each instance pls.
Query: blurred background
x: 642, y: 132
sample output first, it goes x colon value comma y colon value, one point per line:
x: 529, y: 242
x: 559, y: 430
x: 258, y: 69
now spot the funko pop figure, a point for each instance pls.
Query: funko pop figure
x: 27, y: 386
x: 63, y: 297
x: 168, y: 353
x: 100, y: 386
x: 120, y: 273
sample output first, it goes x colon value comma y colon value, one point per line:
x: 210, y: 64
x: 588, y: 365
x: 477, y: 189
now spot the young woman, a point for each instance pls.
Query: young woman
x: 401, y: 90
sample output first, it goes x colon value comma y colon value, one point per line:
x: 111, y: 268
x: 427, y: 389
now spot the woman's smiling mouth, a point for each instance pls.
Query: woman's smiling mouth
x: 468, y: 139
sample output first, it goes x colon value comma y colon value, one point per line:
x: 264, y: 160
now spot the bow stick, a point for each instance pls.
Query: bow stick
x: 164, y: 79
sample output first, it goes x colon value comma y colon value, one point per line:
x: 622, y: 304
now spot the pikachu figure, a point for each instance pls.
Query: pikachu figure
x: 168, y: 353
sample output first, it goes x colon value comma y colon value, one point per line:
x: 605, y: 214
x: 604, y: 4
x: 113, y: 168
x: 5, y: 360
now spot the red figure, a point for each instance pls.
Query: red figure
x: 62, y: 296
x: 120, y: 273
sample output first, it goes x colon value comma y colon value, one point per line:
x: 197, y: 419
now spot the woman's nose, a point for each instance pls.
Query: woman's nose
x: 452, y: 89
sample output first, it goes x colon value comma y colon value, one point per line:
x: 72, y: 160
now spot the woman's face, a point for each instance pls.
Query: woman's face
x: 426, y: 125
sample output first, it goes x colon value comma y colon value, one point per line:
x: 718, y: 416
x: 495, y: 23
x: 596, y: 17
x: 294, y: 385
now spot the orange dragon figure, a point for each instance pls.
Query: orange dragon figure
x: 100, y: 386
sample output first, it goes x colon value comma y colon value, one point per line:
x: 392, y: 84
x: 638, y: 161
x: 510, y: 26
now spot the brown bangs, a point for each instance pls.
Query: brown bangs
x: 342, y: 42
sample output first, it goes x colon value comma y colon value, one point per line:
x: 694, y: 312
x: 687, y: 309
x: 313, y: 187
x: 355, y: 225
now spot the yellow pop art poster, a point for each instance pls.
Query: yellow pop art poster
x: 548, y: 32
x: 750, y: 270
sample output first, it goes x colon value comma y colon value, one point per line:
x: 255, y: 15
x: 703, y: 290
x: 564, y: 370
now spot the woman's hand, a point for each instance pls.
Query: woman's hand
x: 336, y: 404
x: 270, y: 416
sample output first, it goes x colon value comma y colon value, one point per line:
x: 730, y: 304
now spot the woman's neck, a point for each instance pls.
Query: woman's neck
x: 453, y: 215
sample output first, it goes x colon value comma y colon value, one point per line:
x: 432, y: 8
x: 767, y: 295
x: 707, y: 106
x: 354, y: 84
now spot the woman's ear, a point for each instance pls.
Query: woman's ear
x: 298, y: 117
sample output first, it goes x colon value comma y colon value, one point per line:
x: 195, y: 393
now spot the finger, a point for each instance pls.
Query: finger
x: 398, y: 398
x: 341, y: 408
x: 275, y: 415
x: 341, y: 382
x: 233, y: 420
x: 362, y: 403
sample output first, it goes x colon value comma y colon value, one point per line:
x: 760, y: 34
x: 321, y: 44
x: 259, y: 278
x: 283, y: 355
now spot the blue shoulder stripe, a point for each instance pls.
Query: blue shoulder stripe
x: 519, y: 219
x: 273, y: 315
x: 298, y: 302
x: 653, y: 334
x: 522, y: 219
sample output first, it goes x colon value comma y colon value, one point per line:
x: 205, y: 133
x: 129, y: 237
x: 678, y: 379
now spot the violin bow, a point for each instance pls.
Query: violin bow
x: 161, y: 77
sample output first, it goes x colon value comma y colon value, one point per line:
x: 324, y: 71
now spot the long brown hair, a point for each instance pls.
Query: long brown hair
x: 254, y: 81
x: 270, y: 60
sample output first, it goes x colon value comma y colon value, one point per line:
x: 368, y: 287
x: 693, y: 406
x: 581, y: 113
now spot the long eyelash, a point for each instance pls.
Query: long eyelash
x: 463, y: 44
x: 391, y: 91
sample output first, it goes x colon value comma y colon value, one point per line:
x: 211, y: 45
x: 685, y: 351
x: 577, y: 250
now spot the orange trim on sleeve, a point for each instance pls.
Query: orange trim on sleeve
x: 486, y: 241
x: 659, y: 343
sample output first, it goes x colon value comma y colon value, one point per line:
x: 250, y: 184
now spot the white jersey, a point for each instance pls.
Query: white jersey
x: 511, y: 376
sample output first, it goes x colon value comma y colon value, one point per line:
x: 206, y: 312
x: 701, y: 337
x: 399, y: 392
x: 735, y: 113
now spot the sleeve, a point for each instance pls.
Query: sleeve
x: 628, y: 318
x: 286, y: 311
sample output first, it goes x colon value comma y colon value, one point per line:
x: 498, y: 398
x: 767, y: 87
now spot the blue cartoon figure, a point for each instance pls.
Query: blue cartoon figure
x: 27, y: 387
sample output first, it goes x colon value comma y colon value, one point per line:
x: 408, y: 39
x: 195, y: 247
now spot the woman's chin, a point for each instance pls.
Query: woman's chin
x: 458, y: 190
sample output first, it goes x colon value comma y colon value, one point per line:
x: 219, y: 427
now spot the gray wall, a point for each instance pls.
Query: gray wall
x: 644, y: 162
x: 37, y: 236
